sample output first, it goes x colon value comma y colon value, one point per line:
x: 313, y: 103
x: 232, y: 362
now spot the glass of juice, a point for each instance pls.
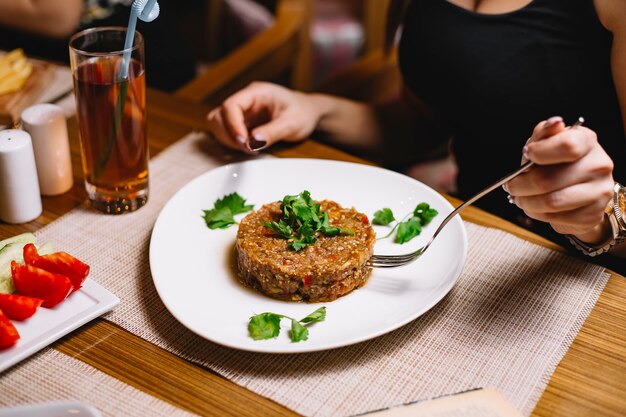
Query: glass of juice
x: 110, y: 92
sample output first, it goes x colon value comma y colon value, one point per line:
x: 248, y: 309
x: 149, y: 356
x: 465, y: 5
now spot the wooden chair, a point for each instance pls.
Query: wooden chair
x: 374, y: 23
x: 374, y: 77
x: 282, y: 49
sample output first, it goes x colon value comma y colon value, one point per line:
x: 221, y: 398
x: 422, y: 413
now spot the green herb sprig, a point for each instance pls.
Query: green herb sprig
x: 224, y: 209
x: 302, y: 220
x: 267, y: 325
x: 407, y: 229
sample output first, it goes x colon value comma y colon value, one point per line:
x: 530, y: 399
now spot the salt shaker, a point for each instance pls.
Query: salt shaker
x: 48, y: 129
x: 20, y: 201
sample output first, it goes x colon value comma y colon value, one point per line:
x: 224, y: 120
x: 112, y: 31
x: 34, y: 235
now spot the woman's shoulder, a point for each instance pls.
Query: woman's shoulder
x: 612, y: 14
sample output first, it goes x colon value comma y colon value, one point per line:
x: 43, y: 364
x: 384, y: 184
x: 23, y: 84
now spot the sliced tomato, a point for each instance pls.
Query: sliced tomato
x: 36, y: 282
x: 19, y: 307
x: 59, y: 263
x: 8, y: 332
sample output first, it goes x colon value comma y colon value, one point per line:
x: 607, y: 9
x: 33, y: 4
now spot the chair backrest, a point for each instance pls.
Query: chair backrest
x: 374, y: 23
x: 374, y: 77
x: 284, y: 48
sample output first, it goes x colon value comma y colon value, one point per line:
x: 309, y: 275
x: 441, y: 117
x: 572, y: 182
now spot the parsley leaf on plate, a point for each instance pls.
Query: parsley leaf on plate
x: 224, y: 209
x: 264, y: 326
x: 407, y: 229
x: 317, y: 315
x: 425, y: 213
x: 219, y: 218
x: 383, y: 216
x: 234, y: 202
x: 267, y: 325
x: 298, y: 332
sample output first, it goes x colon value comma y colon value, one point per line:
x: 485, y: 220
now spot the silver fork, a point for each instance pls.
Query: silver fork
x: 392, y: 261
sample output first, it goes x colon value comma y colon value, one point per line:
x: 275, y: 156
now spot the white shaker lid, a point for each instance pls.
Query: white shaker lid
x: 47, y: 127
x: 20, y: 201
x: 42, y: 114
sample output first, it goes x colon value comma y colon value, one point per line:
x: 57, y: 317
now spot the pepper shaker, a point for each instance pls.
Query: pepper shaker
x: 20, y: 201
x: 47, y: 127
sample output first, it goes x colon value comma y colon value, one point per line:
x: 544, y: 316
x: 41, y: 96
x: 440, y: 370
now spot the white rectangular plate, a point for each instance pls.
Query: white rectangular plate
x: 61, y: 409
x: 50, y: 324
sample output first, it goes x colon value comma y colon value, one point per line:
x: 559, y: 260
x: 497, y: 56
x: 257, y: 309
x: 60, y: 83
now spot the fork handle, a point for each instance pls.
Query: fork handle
x: 492, y: 187
x: 487, y: 190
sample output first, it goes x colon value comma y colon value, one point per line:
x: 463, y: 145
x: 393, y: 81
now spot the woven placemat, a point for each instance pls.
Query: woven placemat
x: 51, y: 376
x: 506, y: 324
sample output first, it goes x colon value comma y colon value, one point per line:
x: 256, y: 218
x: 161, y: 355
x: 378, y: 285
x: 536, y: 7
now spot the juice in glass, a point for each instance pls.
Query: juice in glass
x: 111, y: 112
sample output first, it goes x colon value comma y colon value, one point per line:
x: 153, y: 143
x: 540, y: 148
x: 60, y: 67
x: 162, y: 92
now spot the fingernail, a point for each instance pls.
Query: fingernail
x: 241, y: 139
x: 552, y: 121
x: 525, y: 152
x: 510, y: 198
x: 257, y: 142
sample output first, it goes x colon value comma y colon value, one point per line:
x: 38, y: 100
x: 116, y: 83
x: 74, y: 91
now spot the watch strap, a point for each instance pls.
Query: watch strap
x: 591, y: 250
x: 618, y: 235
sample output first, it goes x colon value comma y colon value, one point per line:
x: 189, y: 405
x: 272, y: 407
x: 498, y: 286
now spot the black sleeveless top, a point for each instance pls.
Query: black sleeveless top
x: 492, y: 78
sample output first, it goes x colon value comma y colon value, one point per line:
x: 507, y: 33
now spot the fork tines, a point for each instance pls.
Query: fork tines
x: 390, y: 261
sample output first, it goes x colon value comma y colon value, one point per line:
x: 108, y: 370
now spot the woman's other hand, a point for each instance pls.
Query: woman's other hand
x: 262, y: 114
x: 571, y: 184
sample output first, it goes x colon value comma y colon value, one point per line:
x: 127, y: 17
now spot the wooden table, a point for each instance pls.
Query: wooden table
x: 590, y: 380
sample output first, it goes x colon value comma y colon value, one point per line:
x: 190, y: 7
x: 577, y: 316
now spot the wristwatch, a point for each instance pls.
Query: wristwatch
x: 616, y: 213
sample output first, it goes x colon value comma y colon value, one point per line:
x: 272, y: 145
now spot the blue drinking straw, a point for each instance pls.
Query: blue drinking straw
x: 146, y: 10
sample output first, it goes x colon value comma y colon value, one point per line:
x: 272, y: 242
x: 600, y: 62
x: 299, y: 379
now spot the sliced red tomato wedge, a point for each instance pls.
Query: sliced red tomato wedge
x: 36, y: 282
x: 8, y: 332
x: 19, y: 307
x: 59, y: 263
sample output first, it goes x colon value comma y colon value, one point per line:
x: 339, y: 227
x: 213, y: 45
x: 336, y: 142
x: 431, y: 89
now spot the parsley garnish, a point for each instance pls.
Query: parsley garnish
x: 302, y: 221
x: 407, y: 229
x: 267, y: 325
x: 425, y: 213
x: 383, y: 217
x: 224, y: 209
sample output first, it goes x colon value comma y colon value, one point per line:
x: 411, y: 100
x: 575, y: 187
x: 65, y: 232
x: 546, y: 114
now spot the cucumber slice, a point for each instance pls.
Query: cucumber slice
x: 24, y: 238
x: 11, y: 252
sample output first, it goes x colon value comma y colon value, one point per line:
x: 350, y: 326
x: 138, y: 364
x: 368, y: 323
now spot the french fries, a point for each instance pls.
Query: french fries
x: 14, y: 71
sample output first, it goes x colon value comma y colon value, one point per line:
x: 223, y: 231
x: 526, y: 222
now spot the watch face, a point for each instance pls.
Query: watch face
x: 621, y: 199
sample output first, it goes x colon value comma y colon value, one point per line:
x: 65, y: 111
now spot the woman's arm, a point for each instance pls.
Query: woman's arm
x: 397, y: 131
x: 263, y: 114
x: 54, y: 18
x: 612, y: 14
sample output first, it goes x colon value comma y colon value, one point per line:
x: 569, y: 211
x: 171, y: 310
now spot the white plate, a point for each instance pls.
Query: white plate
x: 60, y: 409
x: 192, y: 266
x: 50, y: 324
